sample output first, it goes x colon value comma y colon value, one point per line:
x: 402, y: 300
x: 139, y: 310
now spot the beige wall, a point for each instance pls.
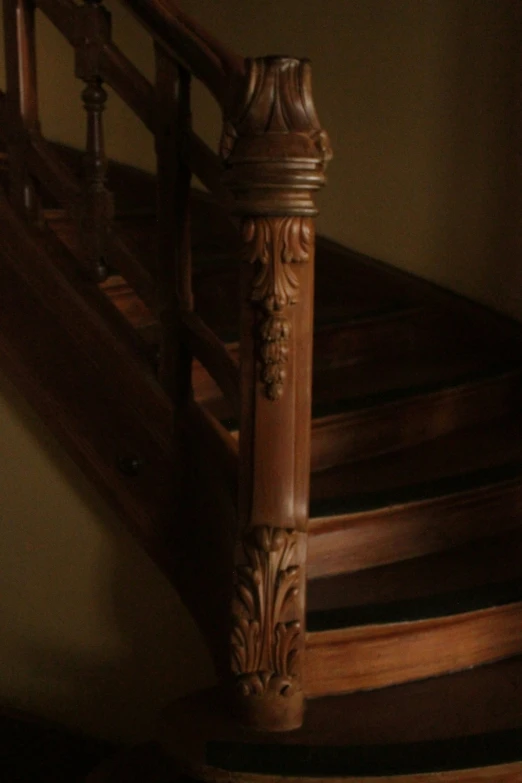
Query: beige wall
x: 418, y: 96
x: 92, y: 634
x: 419, y: 99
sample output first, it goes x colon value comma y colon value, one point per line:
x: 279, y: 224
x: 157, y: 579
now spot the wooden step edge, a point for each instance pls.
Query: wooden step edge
x: 417, y: 493
x: 493, y: 560
x: 346, y: 659
x: 356, y: 435
x: 490, y: 323
x: 457, y: 761
x: 345, y: 429
x: 205, y: 743
x: 360, y: 404
x: 411, y: 610
x: 390, y: 533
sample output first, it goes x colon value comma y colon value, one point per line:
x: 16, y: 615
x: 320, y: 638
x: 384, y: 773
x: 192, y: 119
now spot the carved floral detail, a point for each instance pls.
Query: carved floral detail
x: 265, y: 644
x: 278, y: 99
x: 275, y: 244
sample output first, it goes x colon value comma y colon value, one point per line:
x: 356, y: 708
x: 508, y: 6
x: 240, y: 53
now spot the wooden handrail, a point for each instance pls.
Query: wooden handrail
x: 63, y: 15
x: 129, y: 83
x: 186, y: 40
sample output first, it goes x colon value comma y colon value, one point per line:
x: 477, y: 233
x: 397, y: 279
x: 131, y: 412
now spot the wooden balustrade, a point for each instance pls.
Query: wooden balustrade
x: 272, y: 159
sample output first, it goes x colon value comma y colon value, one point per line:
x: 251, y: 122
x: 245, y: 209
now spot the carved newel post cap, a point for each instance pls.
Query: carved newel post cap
x: 272, y: 144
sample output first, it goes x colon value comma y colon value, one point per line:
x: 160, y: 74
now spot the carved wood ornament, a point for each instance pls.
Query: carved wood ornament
x: 265, y: 643
x: 275, y: 153
x: 275, y: 244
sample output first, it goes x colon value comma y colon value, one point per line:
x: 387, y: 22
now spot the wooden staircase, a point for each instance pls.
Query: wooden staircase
x: 374, y: 632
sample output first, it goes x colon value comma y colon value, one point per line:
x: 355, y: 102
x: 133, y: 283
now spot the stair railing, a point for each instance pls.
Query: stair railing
x: 272, y: 158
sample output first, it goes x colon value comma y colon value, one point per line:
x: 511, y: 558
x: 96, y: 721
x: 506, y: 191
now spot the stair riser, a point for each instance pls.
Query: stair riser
x: 382, y: 337
x: 488, y: 561
x: 389, y: 535
x: 411, y: 421
x: 346, y: 660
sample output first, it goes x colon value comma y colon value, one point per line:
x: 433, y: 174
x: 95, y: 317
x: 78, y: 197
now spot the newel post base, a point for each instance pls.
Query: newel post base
x: 267, y: 629
x: 275, y: 154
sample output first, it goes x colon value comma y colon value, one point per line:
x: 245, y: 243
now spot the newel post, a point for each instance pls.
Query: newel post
x: 275, y: 152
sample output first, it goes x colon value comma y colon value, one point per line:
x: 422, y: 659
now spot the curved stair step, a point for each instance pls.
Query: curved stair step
x: 425, y: 499
x: 488, y: 561
x: 352, y: 648
x: 416, y: 402
x: 464, y: 728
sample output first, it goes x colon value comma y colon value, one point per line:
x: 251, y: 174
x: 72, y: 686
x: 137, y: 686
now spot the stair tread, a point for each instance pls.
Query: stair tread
x: 457, y: 462
x: 419, y: 609
x: 471, y: 718
x: 344, y: 389
x: 491, y: 561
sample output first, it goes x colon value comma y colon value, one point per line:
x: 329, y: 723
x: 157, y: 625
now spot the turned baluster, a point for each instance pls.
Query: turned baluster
x: 174, y: 271
x: 20, y: 56
x: 96, y: 211
x: 276, y: 152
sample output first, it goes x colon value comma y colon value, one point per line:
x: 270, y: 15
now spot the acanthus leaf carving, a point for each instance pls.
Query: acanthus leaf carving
x: 277, y: 99
x: 266, y: 644
x: 275, y: 245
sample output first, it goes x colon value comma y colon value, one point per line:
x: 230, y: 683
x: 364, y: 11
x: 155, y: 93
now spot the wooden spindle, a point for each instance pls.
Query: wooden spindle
x: 276, y: 152
x: 22, y: 102
x: 98, y: 207
x: 173, y: 213
x: 97, y: 210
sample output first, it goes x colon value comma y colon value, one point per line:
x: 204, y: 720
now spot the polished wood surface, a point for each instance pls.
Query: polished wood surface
x: 488, y: 561
x: 381, y: 730
x: 275, y: 153
x: 188, y: 393
x: 376, y: 656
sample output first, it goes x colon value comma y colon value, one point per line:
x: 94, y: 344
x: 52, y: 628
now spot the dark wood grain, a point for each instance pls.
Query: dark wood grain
x: 376, y: 656
x: 350, y: 542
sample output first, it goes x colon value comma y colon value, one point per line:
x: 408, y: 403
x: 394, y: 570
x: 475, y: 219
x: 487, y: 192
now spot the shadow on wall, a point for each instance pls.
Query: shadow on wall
x: 93, y: 635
